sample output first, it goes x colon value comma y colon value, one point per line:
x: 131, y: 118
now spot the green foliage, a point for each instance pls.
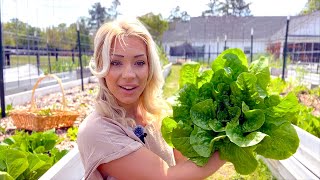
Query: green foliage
x: 163, y: 56
x: 61, y: 36
x: 236, y: 8
x: 155, y: 24
x: 9, y: 108
x: 99, y: 14
x: 24, y: 156
x: 307, y: 121
x: 45, y: 112
x: 228, y: 108
x: 171, y: 86
x: 311, y: 6
x: 177, y: 15
x: 261, y: 173
x: 72, y: 133
x: 277, y: 86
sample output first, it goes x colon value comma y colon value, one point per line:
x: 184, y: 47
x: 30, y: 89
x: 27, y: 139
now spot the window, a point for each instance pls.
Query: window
x: 316, y: 46
x: 308, y: 46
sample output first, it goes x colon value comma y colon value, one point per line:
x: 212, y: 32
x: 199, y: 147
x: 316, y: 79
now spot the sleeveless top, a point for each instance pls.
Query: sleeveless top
x: 101, y: 140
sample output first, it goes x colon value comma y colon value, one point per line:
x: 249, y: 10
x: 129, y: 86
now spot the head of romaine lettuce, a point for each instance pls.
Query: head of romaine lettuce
x: 228, y: 109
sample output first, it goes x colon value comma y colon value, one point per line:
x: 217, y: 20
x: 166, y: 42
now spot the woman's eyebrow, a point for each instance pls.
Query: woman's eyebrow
x: 136, y: 56
x: 117, y: 55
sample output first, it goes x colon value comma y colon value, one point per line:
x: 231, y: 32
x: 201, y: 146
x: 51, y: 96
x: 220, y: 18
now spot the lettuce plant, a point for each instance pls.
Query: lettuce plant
x: 228, y: 109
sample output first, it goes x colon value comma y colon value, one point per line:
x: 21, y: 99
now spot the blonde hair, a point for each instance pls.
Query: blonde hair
x: 150, y: 103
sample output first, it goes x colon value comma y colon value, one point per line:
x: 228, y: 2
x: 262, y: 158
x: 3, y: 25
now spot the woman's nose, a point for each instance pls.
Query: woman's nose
x: 128, y: 72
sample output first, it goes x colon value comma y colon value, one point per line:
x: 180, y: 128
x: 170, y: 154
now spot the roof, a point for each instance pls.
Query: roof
x: 211, y: 27
x: 303, y: 26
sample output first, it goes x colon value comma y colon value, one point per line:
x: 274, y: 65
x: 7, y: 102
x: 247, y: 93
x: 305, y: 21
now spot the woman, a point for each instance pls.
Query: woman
x: 129, y: 72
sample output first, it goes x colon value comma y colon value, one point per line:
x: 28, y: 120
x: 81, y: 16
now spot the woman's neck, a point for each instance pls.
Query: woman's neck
x: 134, y: 112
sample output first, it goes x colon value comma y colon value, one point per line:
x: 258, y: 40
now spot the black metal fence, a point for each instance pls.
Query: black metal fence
x: 292, y: 45
x: 22, y: 64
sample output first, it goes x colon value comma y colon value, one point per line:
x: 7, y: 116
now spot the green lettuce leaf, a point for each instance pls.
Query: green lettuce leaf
x: 254, y: 119
x: 281, y: 142
x: 203, y: 112
x: 234, y: 59
x: 237, y: 136
x: 243, y: 159
x: 204, y: 77
x: 167, y: 127
x: 261, y: 70
x: 189, y: 73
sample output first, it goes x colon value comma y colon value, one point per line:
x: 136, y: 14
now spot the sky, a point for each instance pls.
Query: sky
x: 45, y: 13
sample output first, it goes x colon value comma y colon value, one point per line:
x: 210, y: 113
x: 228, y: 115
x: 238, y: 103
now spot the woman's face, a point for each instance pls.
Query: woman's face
x: 129, y: 70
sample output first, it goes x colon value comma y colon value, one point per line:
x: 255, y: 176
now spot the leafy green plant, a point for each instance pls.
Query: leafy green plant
x: 24, y: 156
x: 45, y: 112
x: 227, y: 108
x: 162, y: 55
x: 9, y: 108
x: 276, y: 85
x: 72, y: 133
x: 307, y: 121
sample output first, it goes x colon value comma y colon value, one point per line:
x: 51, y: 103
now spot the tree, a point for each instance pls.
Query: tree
x: 311, y: 6
x: 18, y: 33
x: 155, y: 24
x: 100, y: 15
x: 177, y: 15
x: 234, y: 7
x: 213, y: 8
x: 240, y: 8
x: 97, y: 16
x: 112, y: 12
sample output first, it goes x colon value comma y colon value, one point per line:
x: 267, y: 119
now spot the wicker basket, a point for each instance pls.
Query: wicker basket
x: 31, y: 119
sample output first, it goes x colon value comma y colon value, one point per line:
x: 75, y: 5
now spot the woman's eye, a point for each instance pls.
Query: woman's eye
x: 115, y: 63
x: 140, y: 63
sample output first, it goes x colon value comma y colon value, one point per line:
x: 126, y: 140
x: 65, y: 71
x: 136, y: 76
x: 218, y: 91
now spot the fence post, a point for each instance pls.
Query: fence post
x: 285, y: 49
x: 7, y: 58
x: 217, y: 46
x: 49, y: 62
x: 37, y: 51
x: 251, y: 53
x: 3, y: 108
x: 225, y: 42
x: 57, y: 54
x: 209, y: 54
x: 80, y: 60
x: 72, y: 55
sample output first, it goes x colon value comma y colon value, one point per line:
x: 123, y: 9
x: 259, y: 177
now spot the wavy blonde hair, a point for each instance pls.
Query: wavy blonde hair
x: 151, y: 103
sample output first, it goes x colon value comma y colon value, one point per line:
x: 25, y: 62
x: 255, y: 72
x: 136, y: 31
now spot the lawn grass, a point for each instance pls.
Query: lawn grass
x: 63, y: 64
x: 172, y: 82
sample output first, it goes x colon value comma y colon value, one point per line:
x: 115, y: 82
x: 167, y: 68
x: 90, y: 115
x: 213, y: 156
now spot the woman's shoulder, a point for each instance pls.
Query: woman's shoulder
x: 97, y: 126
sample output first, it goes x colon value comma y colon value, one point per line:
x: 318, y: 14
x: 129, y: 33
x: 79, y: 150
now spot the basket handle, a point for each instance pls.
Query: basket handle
x: 33, y: 104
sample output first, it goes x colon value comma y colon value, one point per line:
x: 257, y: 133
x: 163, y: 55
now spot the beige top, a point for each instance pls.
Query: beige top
x: 101, y: 140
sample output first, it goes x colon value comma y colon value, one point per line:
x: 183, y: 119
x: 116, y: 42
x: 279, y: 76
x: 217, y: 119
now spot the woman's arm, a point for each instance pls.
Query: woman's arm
x: 144, y: 164
x: 179, y: 157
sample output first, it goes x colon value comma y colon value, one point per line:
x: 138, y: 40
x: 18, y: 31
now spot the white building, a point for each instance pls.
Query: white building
x: 205, y: 37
